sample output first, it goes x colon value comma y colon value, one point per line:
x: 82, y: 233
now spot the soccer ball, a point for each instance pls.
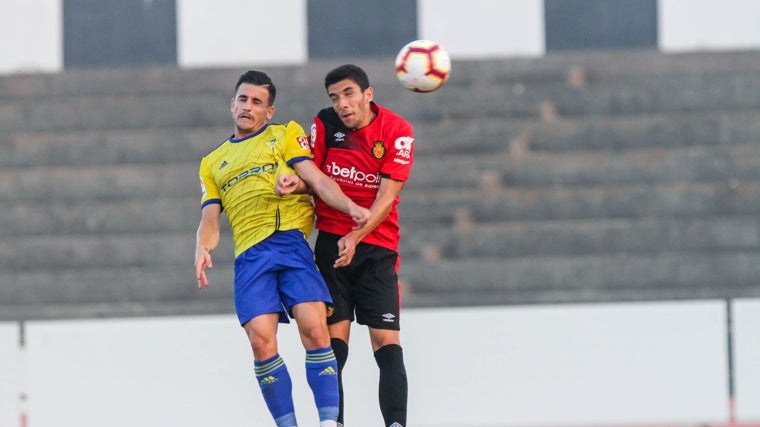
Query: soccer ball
x: 422, y: 66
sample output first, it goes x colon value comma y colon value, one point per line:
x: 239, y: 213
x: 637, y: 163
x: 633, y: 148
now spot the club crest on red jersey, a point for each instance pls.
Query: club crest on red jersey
x: 378, y: 149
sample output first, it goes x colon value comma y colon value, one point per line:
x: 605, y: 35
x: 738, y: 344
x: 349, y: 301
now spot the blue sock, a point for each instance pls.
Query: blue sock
x: 322, y: 376
x: 277, y: 389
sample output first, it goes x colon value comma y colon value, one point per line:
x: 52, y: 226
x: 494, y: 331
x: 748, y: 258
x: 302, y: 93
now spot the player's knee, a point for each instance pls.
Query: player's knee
x: 340, y: 349
x: 262, y: 348
x: 390, y: 358
x: 315, y: 336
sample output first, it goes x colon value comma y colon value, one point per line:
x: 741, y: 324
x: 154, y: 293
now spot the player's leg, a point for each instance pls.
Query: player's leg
x: 321, y: 366
x: 271, y: 372
x: 258, y: 306
x: 339, y: 321
x: 378, y: 305
x: 392, y: 387
x: 305, y: 294
x: 339, y: 336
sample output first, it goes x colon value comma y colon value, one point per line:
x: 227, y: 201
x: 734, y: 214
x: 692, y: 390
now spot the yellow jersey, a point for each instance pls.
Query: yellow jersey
x: 241, y: 174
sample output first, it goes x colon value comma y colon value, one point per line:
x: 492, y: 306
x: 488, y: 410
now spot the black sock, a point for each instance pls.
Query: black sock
x: 340, y: 348
x: 393, y: 386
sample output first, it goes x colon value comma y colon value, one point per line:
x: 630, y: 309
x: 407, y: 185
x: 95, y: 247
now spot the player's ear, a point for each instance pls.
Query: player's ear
x: 369, y: 93
x: 270, y: 112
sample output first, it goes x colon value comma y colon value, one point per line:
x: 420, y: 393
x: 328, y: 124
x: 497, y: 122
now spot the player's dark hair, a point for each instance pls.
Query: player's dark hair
x: 348, y: 71
x: 258, y: 78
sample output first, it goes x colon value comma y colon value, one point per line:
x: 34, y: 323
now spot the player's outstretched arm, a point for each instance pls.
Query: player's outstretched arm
x: 207, y: 239
x: 329, y: 191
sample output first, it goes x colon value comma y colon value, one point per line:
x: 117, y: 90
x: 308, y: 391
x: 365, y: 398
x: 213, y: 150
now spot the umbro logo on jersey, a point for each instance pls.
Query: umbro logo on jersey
x: 272, y: 142
x: 389, y: 317
x: 224, y: 163
x: 339, y: 136
x: 396, y: 425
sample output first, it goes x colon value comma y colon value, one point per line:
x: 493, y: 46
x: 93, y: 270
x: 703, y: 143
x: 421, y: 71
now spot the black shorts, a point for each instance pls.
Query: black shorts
x: 367, y: 287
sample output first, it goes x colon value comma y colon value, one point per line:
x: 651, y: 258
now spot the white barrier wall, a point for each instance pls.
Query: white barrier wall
x: 484, y: 28
x: 559, y: 365
x: 708, y: 25
x: 31, y: 30
x: 480, y: 367
x: 31, y: 36
x: 9, y: 371
x: 747, y: 358
x: 212, y: 34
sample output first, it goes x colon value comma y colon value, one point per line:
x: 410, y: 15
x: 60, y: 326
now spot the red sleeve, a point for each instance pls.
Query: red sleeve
x: 398, y: 163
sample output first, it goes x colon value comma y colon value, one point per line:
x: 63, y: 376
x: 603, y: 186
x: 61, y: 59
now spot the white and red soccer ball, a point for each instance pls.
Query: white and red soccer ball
x: 423, y: 66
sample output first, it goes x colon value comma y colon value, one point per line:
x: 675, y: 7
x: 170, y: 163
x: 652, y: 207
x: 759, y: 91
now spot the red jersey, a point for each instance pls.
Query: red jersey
x: 357, y: 160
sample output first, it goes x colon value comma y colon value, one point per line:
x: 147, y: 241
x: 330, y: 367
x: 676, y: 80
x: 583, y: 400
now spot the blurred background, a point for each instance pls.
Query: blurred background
x: 580, y: 234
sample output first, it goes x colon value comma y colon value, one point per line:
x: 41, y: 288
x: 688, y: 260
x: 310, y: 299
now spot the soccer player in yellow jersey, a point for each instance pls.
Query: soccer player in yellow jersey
x: 250, y: 176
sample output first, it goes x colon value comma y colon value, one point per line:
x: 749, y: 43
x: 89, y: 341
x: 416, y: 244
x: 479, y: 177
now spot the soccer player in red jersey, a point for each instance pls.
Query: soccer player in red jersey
x: 369, y: 151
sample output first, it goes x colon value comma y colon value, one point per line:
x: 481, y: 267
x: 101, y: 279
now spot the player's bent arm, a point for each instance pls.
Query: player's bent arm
x: 386, y: 195
x: 291, y: 184
x: 207, y: 239
x: 329, y: 191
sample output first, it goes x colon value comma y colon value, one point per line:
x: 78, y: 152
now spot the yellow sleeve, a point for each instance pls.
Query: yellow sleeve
x: 296, y: 143
x: 209, y: 189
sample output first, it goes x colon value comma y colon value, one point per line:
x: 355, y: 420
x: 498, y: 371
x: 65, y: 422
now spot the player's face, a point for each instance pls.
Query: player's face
x: 250, y: 109
x: 351, y: 103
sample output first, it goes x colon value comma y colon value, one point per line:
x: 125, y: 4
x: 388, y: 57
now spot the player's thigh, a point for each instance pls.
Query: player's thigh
x: 376, y: 291
x: 298, y: 279
x: 338, y: 281
x: 255, y: 287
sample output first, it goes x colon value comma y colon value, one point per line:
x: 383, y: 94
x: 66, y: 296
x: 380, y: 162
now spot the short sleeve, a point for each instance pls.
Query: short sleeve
x: 209, y: 189
x: 398, y: 163
x: 297, y: 146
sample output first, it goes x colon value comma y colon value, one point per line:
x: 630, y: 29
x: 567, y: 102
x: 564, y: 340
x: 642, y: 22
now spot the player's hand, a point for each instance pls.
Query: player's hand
x: 286, y: 184
x: 202, y: 261
x: 346, y: 250
x: 360, y: 216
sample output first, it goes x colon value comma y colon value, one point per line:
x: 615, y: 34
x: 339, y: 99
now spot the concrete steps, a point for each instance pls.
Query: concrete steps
x: 484, y: 172
x: 188, y: 109
x: 594, y: 278
x: 112, y: 285
x: 477, y: 136
x: 520, y: 239
x: 565, y: 85
x: 587, y: 168
x: 569, y: 178
x: 677, y: 199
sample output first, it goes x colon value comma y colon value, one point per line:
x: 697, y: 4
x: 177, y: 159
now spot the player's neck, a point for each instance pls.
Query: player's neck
x: 245, y: 133
x: 367, y: 123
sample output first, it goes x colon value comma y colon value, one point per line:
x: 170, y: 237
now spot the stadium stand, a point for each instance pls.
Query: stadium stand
x: 568, y: 178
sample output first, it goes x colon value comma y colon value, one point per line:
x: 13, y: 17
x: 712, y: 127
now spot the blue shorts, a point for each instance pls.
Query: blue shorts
x: 274, y: 275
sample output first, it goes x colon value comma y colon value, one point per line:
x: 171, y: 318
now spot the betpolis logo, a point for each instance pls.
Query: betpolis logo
x: 352, y: 175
